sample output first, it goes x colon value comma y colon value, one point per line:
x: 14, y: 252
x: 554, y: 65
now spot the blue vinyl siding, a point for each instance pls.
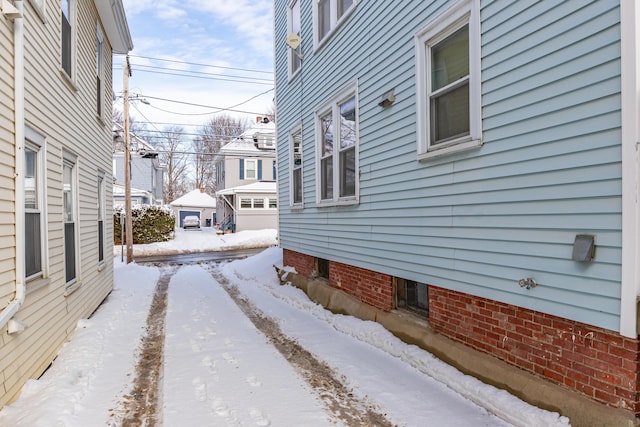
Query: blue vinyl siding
x: 475, y: 221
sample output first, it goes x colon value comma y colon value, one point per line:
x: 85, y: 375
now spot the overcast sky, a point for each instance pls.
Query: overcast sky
x: 227, y: 37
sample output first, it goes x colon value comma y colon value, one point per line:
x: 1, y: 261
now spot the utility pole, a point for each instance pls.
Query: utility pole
x: 128, y: 229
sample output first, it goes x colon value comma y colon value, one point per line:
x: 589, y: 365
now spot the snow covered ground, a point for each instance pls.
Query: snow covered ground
x: 220, y: 370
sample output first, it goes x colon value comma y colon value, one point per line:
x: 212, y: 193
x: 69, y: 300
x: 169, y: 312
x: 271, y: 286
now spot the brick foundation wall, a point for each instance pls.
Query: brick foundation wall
x: 375, y: 289
x: 597, y: 362
x: 601, y: 364
x: 304, y: 264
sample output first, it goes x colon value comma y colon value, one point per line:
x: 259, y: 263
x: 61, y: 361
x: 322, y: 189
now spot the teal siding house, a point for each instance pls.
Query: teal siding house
x: 473, y: 164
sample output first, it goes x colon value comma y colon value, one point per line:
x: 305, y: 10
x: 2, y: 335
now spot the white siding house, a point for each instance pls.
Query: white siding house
x: 473, y: 164
x: 55, y: 175
x: 245, y: 179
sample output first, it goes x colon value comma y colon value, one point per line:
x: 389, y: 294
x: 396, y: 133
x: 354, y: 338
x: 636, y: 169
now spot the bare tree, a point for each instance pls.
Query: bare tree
x: 218, y: 131
x: 172, y: 154
x: 271, y: 112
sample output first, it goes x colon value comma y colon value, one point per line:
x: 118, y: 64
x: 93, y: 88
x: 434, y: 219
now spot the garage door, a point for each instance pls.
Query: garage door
x: 187, y: 213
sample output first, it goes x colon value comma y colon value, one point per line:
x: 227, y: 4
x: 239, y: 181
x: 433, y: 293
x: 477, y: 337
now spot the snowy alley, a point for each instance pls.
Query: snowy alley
x: 236, y: 348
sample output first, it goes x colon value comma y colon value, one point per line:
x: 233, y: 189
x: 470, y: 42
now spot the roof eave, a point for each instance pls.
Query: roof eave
x: 114, y: 22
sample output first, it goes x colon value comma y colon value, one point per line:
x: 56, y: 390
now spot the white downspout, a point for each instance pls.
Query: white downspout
x: 18, y: 60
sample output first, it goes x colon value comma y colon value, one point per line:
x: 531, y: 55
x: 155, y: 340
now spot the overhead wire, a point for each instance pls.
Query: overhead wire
x: 202, y: 65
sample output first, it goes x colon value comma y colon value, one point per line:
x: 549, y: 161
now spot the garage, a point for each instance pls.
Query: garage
x: 187, y: 213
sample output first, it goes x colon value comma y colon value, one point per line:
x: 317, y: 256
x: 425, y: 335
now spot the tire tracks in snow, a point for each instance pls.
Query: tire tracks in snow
x: 140, y: 406
x: 344, y: 407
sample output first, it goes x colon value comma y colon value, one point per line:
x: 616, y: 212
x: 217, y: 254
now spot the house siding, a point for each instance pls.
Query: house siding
x: 478, y: 221
x: 64, y: 113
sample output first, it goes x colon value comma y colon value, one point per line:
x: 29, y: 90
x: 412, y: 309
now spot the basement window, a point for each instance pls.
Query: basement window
x: 322, y: 267
x: 412, y: 296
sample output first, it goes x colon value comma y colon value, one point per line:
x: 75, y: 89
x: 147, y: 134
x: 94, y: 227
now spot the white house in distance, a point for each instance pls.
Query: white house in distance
x: 198, y: 203
x: 245, y: 179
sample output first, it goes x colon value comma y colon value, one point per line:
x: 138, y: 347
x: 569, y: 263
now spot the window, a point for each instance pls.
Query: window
x: 101, y: 217
x: 255, y: 203
x: 296, y: 165
x: 273, y: 203
x: 322, y: 268
x: 33, y: 204
x: 67, y: 7
x: 99, y: 70
x: 250, y: 169
x: 69, y: 216
x: 337, y: 133
x: 412, y: 296
x: 274, y: 172
x: 448, y: 82
x: 328, y: 15
x: 294, y: 24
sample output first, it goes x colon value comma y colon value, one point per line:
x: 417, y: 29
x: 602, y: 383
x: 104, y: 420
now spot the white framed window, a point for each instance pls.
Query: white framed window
x: 67, y: 36
x: 337, y: 148
x: 329, y: 15
x: 250, y: 169
x: 99, y: 70
x: 34, y: 205
x: 256, y: 203
x: 294, y: 26
x: 101, y: 213
x: 295, y: 166
x: 448, y: 82
x: 69, y: 203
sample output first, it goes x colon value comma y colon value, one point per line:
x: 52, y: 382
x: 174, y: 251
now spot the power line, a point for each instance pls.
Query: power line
x: 220, y: 109
x: 270, y: 81
x: 202, y: 77
x: 202, y: 65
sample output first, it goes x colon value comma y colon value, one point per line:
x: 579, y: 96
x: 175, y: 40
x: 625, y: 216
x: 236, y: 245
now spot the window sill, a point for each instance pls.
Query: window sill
x: 72, y: 287
x: 68, y: 80
x: 292, y: 76
x: 340, y: 202
x: 451, y: 148
x: 297, y: 207
x: 35, y: 284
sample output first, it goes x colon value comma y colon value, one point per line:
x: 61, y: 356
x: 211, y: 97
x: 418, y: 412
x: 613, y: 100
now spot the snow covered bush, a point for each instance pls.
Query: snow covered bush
x: 150, y: 223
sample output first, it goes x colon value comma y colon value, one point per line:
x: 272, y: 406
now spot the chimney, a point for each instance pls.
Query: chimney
x: 202, y: 189
x: 259, y: 119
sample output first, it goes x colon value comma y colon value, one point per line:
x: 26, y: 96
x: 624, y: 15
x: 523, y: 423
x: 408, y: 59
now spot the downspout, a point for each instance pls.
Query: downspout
x: 18, y: 64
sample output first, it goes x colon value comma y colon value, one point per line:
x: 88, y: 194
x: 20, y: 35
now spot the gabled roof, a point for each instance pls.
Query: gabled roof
x: 114, y: 22
x: 265, y: 187
x: 245, y: 144
x: 195, y: 198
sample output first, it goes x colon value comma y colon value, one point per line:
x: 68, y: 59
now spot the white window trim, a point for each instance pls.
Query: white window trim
x: 332, y: 105
x: 297, y: 128
x: 464, y: 12
x: 73, y: 11
x: 38, y: 141
x: 254, y: 162
x: 335, y: 22
x: 100, y: 64
x: 72, y: 160
x: 292, y: 52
